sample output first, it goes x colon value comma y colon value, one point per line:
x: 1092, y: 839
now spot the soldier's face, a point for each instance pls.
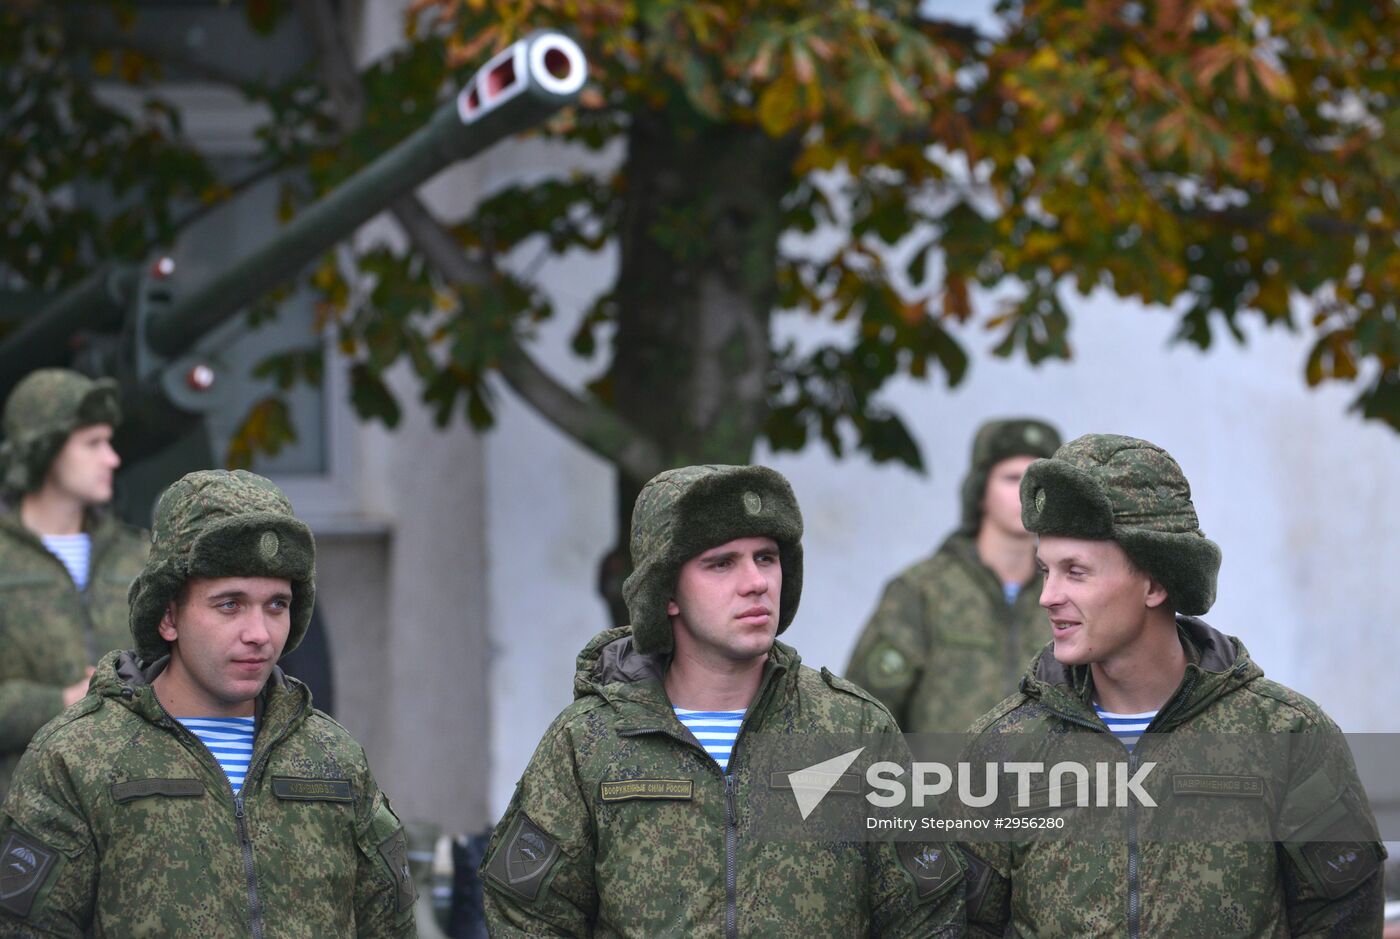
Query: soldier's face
x: 726, y: 602
x: 1001, y: 503
x: 1098, y: 603
x: 224, y: 639
x: 84, y: 468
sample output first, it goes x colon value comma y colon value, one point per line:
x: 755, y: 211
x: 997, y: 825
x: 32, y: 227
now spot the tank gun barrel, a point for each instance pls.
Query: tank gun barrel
x: 45, y: 337
x: 518, y: 88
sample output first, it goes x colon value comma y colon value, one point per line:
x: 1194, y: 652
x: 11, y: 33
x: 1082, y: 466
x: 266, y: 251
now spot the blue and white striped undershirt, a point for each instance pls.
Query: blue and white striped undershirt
x: 230, y: 739
x: 1126, y: 727
x: 75, y: 551
x: 716, y: 731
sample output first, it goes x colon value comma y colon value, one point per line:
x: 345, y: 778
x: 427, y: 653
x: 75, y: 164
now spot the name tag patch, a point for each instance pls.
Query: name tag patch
x: 666, y: 790
x: 1200, y: 784
x: 297, y: 788
x: 134, y: 789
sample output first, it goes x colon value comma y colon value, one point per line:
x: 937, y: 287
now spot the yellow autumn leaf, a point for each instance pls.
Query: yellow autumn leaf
x: 777, y: 107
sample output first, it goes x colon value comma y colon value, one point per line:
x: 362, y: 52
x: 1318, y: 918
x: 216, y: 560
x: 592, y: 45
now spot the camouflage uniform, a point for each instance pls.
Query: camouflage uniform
x: 1132, y: 492
x: 120, y: 821
x: 943, y: 645
x: 50, y: 631
x: 624, y: 826
x: 1073, y: 888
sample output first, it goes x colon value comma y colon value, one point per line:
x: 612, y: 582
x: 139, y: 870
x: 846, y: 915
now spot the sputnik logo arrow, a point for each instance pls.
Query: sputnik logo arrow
x: 810, y: 785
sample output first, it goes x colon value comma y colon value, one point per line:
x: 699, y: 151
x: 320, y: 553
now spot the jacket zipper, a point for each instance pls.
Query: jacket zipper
x: 731, y: 873
x: 731, y: 811
x: 255, y: 917
x: 1134, y: 900
x: 1134, y: 888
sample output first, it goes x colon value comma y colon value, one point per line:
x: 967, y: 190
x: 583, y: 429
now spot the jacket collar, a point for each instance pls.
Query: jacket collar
x: 1215, y: 663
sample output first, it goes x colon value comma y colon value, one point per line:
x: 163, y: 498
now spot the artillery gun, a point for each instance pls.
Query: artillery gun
x: 141, y: 325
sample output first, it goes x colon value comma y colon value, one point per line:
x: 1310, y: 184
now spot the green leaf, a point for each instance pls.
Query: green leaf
x: 371, y: 397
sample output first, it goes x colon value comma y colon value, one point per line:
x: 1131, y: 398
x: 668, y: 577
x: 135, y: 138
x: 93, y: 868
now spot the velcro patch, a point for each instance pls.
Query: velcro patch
x: 623, y: 790
x: 1038, y: 800
x: 24, y: 865
x: 178, y: 788
x: 1340, y: 865
x: 312, y: 790
x: 523, y: 861
x: 394, y: 851
x: 1199, y: 784
x: 931, y: 866
x: 848, y: 783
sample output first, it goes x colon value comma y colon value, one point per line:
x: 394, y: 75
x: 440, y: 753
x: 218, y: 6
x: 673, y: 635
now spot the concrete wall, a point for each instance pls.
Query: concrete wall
x: 1301, y: 496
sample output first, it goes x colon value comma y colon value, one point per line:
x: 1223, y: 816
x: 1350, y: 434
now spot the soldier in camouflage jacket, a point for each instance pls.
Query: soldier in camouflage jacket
x: 52, y: 632
x: 121, y: 822
x: 945, y: 643
x: 1122, y: 550
x: 623, y: 825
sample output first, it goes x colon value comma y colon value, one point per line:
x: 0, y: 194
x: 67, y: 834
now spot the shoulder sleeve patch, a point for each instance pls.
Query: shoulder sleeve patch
x: 1340, y: 866
x: 394, y: 851
x: 24, y: 866
x: 933, y: 866
x: 524, y: 859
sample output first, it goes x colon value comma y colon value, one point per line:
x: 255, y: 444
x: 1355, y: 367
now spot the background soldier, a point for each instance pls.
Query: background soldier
x: 65, y: 564
x: 632, y: 818
x: 194, y: 791
x: 953, y: 633
x: 1122, y: 552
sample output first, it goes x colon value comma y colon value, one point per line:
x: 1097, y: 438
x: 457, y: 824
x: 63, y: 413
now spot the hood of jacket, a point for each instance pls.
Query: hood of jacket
x: 1216, y: 665
x: 610, y: 667
x: 126, y: 680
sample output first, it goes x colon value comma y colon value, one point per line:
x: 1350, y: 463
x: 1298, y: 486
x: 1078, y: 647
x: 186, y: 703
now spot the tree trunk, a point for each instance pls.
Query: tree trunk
x: 696, y: 287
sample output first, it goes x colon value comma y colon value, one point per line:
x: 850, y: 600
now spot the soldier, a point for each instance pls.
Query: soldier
x: 65, y: 564
x: 633, y: 816
x: 194, y: 791
x: 1127, y: 571
x: 953, y: 632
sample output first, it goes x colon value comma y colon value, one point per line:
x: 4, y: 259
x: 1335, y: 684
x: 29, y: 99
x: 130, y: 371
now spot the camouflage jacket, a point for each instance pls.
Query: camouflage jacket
x: 579, y: 854
x: 1067, y: 887
x: 120, y: 823
x: 943, y: 646
x: 49, y: 630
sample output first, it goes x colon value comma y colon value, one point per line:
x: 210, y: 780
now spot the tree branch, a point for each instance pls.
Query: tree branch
x: 95, y: 35
x: 590, y: 423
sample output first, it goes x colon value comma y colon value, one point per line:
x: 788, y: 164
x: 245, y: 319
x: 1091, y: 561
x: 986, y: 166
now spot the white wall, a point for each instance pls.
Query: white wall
x: 1300, y: 495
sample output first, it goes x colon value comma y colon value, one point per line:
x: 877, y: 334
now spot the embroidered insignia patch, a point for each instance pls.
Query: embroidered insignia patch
x: 1340, y: 865
x: 524, y: 860
x: 622, y: 790
x: 268, y: 545
x: 1201, y: 784
x: 931, y: 866
x: 24, y: 864
x: 312, y: 790
x: 394, y: 851
x: 753, y: 503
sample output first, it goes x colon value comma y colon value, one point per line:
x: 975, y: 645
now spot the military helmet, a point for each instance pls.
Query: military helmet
x: 44, y: 408
x: 1105, y: 486
x: 682, y: 512
x: 216, y: 523
x: 996, y: 441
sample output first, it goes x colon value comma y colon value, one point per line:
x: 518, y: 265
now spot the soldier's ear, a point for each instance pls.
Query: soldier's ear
x: 1156, y: 593
x: 671, y: 608
x: 166, y: 626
